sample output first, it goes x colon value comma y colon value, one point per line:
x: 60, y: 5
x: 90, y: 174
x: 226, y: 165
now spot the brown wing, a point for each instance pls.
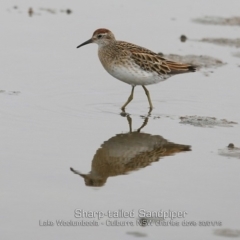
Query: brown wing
x: 177, y: 68
x: 150, y: 61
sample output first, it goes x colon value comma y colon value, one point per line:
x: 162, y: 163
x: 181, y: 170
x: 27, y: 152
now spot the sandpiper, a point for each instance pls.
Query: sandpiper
x: 133, y: 64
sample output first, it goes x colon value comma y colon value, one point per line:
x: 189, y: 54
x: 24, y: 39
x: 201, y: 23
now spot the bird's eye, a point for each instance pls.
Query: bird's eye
x: 99, y: 36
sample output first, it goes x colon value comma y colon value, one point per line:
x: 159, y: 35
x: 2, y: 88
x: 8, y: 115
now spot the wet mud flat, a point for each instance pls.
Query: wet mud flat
x: 227, y: 233
x: 38, y: 11
x: 9, y: 92
x: 230, y: 151
x: 199, y: 121
x: 211, y: 20
x: 223, y: 41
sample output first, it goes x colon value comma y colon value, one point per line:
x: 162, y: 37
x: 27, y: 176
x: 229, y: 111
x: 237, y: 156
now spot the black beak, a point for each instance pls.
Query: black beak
x: 85, y: 43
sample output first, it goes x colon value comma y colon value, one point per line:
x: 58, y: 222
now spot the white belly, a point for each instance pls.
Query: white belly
x: 134, y: 75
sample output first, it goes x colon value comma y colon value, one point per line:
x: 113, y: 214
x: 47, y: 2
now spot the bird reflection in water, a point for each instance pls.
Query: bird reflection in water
x: 127, y: 152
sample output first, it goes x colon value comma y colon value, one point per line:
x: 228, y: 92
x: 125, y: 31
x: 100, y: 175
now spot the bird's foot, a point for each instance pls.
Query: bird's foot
x: 124, y: 113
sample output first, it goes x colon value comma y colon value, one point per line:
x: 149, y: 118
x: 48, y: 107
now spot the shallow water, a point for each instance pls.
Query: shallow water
x: 58, y: 106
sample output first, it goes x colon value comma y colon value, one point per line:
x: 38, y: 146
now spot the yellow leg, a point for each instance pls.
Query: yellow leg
x: 143, y: 125
x: 129, y: 123
x: 148, y: 96
x: 130, y: 98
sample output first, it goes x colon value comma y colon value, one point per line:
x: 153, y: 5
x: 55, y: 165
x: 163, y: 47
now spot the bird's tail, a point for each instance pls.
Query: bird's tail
x: 177, y: 68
